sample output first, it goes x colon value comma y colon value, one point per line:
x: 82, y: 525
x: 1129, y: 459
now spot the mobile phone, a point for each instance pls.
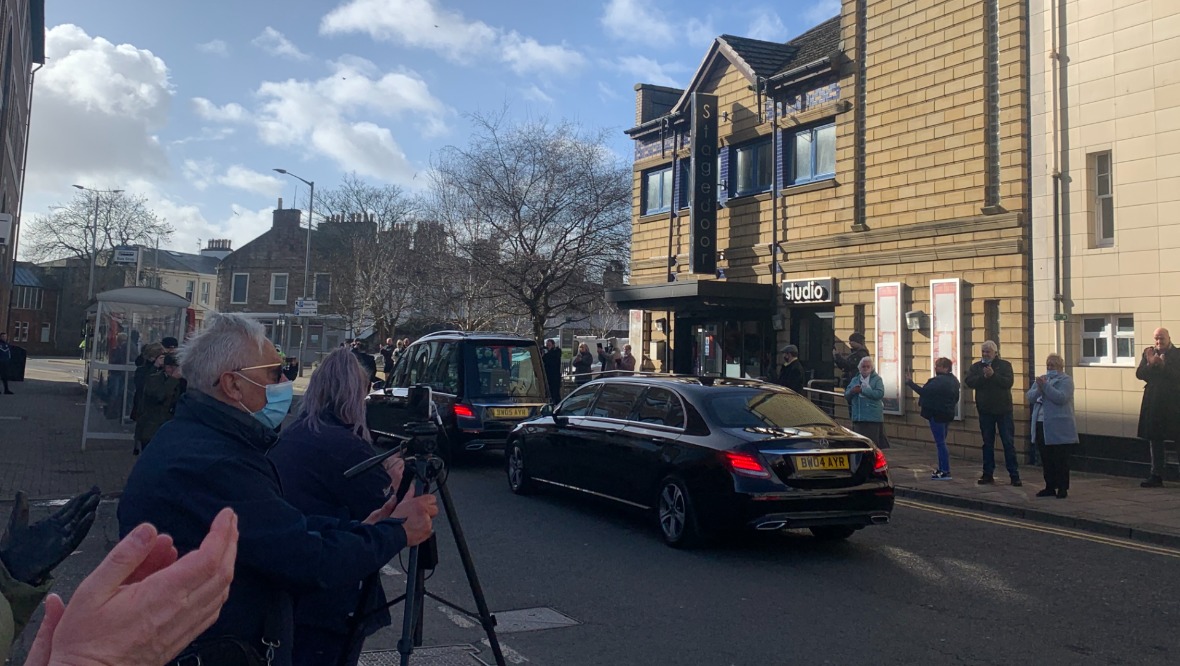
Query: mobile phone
x: 418, y: 402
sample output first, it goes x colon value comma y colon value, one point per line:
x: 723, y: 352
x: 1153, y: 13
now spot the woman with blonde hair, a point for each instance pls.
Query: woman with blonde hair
x: 1053, y: 428
x: 328, y: 437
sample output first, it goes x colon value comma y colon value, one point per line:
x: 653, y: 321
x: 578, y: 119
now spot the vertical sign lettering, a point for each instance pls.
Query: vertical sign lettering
x: 703, y: 185
x: 945, y: 323
x: 889, y: 344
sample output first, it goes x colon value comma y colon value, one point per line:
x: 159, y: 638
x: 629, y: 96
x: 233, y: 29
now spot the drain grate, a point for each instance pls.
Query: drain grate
x: 531, y: 619
x: 445, y: 655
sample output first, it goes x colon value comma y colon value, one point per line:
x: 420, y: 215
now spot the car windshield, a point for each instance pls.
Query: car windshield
x: 756, y: 407
x: 507, y: 370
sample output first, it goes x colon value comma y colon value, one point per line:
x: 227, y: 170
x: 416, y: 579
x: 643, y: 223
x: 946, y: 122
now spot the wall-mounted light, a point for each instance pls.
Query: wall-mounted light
x: 662, y: 325
x: 914, y: 320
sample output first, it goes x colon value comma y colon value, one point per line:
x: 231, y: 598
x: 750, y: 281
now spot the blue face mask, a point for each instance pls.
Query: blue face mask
x: 1051, y: 373
x: 278, y: 403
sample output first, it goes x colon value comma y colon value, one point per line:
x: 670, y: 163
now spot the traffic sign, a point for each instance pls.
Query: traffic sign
x: 313, y: 311
x: 126, y: 255
x: 1060, y: 317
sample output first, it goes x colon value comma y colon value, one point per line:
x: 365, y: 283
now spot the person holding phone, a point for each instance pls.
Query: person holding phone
x: 991, y: 377
x: 1159, y: 417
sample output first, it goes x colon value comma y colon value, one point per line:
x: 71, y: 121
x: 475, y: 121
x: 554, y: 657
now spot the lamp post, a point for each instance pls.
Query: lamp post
x: 94, y: 235
x: 306, y: 259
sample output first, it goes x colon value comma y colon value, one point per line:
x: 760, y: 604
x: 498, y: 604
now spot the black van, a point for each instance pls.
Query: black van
x: 483, y: 384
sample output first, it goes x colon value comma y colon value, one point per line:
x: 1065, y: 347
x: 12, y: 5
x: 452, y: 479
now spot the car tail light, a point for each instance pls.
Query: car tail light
x: 879, y: 463
x: 464, y: 412
x: 746, y: 464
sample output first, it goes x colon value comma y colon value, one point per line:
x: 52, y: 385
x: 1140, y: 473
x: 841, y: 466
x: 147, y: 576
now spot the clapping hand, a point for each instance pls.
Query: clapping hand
x: 988, y: 372
x: 30, y: 552
x: 1041, y: 381
x: 857, y: 389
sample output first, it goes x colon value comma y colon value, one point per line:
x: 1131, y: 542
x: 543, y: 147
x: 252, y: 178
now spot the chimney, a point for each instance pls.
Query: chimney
x: 285, y: 218
x: 280, y: 203
x: 218, y: 248
x: 652, y: 101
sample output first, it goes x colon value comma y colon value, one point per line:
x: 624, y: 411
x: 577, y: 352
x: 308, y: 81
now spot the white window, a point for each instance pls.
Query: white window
x: 240, y: 288
x: 20, y: 331
x: 755, y: 167
x: 814, y: 156
x: 1108, y: 340
x: 278, y: 288
x: 44, y: 332
x: 204, y: 293
x: 190, y: 288
x: 657, y: 191
x: 1102, y: 183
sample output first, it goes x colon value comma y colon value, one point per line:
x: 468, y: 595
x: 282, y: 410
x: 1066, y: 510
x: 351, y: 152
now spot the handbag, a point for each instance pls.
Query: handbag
x: 232, y: 651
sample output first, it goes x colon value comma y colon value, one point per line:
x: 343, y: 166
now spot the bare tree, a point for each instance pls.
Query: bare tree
x: 538, y: 210
x: 69, y: 231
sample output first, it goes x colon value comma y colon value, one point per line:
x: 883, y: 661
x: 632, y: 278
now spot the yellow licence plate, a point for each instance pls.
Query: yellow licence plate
x: 812, y: 463
x: 509, y: 412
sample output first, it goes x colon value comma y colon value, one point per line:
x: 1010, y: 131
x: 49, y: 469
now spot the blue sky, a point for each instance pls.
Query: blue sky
x: 192, y: 104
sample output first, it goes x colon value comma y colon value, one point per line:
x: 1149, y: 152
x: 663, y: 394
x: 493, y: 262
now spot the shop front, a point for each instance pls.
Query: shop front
x: 705, y: 328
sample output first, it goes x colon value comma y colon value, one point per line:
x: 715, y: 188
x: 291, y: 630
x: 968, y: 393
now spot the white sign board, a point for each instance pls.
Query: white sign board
x: 889, y: 331
x: 125, y: 255
x: 5, y: 228
x: 945, y: 327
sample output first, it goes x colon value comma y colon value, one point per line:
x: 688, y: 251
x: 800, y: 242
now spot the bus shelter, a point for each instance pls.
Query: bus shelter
x: 120, y: 322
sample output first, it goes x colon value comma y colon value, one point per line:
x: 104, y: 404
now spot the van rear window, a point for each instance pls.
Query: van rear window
x: 506, y: 371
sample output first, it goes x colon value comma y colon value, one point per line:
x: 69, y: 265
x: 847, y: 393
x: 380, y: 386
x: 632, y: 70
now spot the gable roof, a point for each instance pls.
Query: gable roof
x: 760, y: 59
x: 815, y: 44
x: 171, y: 260
x: 24, y: 275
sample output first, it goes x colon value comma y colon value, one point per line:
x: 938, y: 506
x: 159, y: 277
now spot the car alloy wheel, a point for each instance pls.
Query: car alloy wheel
x: 518, y: 477
x: 677, y: 518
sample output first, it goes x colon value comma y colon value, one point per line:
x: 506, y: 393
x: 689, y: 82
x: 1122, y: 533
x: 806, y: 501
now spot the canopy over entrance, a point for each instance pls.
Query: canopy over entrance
x: 696, y: 298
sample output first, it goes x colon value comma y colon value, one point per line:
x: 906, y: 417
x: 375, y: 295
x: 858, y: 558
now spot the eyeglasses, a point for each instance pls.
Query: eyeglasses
x: 275, y: 377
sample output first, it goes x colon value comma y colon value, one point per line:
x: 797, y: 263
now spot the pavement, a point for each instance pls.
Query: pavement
x: 41, y: 453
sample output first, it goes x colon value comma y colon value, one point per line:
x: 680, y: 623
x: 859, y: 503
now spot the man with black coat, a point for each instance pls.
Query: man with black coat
x: 387, y: 355
x: 849, y: 363
x: 790, y: 374
x: 1159, y: 413
x: 991, y: 378
x: 366, y: 360
x: 213, y: 455
x: 551, y: 361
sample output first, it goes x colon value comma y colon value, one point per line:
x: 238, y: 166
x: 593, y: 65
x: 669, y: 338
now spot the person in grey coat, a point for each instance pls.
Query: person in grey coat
x: 1054, y: 430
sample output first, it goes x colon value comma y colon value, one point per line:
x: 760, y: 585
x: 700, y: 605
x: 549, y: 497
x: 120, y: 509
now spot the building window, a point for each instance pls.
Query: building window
x: 1102, y: 182
x: 204, y: 293
x: 27, y: 298
x: 991, y: 320
x: 323, y: 287
x: 278, y: 288
x: 657, y: 191
x: 754, y: 167
x: 240, y: 288
x: 858, y: 318
x: 813, y: 154
x: 20, y: 331
x: 190, y: 288
x: 1108, y: 340
x: 44, y: 332
x: 682, y: 184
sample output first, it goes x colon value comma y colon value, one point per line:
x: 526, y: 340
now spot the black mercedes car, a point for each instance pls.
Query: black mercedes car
x: 705, y: 455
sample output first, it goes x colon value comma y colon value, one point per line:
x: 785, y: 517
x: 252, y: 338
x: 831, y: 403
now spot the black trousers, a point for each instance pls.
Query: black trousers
x: 4, y: 374
x: 1054, y: 461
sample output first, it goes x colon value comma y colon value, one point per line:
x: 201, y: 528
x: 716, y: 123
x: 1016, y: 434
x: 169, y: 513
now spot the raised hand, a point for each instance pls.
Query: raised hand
x: 30, y: 552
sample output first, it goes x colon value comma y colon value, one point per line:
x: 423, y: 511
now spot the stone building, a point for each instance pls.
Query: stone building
x: 870, y: 175
x: 1105, y: 85
x: 193, y: 276
x: 22, y: 45
x: 33, y: 312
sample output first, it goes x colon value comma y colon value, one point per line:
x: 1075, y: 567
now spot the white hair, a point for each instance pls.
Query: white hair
x: 867, y: 359
x: 227, y: 343
x: 988, y: 344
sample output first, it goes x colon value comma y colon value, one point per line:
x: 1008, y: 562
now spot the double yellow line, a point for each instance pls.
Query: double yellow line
x: 1046, y: 529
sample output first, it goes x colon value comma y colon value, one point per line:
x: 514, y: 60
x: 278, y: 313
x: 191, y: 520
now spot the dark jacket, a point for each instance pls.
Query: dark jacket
x: 1159, y: 413
x: 387, y: 354
x: 211, y: 456
x: 157, y: 403
x: 551, y: 361
x: 5, y: 352
x: 850, y: 363
x: 582, y: 364
x: 142, y: 373
x: 791, y: 376
x: 993, y: 395
x: 368, y: 363
x: 311, y: 469
x: 938, y: 398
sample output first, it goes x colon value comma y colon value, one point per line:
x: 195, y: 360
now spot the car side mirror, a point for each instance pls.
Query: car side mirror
x: 561, y: 421
x: 546, y: 410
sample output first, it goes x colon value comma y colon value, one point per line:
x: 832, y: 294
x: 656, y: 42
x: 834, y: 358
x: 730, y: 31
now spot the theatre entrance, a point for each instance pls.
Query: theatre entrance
x: 725, y: 347
x: 813, y: 331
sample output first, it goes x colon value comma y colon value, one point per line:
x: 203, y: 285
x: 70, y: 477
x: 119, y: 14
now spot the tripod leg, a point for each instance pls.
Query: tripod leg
x: 485, y: 616
x: 419, y: 603
x: 405, y: 644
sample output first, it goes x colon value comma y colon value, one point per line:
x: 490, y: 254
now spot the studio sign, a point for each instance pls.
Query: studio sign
x: 803, y: 292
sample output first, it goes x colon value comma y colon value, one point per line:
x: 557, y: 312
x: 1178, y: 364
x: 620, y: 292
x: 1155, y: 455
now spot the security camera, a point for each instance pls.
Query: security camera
x: 913, y: 319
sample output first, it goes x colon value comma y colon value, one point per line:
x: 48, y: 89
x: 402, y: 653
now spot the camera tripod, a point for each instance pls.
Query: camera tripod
x: 422, y: 471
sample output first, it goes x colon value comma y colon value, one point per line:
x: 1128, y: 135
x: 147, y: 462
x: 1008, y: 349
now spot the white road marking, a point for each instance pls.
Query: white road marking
x: 390, y: 570
x: 510, y: 655
x: 460, y: 620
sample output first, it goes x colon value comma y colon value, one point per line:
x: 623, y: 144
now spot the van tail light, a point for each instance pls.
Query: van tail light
x: 880, y: 465
x: 464, y: 412
x: 746, y: 464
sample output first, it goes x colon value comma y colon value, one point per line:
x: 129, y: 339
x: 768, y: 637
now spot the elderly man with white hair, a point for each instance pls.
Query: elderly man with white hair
x: 212, y: 455
x: 991, y: 377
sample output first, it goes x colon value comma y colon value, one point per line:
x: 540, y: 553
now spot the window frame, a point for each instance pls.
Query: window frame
x: 233, y: 282
x: 1111, y: 335
x: 190, y: 290
x: 286, y: 288
x: 1097, y: 197
x: 789, y: 155
x: 204, y: 293
x: 46, y: 333
x: 665, y: 181
x: 763, y: 143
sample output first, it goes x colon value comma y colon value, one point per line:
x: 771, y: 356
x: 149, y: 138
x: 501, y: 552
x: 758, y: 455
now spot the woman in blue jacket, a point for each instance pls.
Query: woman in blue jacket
x: 1054, y: 430
x: 328, y: 437
x: 939, y: 401
x: 864, y: 394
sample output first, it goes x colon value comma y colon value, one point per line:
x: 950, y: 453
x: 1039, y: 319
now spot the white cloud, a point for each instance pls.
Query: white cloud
x: 214, y: 47
x: 700, y: 33
x: 242, y: 178
x: 424, y: 24
x: 646, y: 70
x: 822, y: 11
x: 230, y: 113
x: 606, y: 93
x: 96, y: 113
x: 767, y: 26
x: 637, y: 21
x: 275, y: 43
x: 535, y: 94
x: 526, y: 56
x: 198, y: 172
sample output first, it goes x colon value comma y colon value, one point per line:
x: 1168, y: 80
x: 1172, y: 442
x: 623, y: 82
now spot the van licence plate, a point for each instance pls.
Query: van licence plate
x: 814, y: 463
x: 509, y: 412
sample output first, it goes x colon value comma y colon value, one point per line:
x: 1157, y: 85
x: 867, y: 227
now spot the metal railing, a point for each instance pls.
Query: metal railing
x: 822, y: 395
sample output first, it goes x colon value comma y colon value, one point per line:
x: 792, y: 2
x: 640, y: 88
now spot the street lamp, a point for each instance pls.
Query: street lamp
x: 306, y: 259
x: 94, y: 235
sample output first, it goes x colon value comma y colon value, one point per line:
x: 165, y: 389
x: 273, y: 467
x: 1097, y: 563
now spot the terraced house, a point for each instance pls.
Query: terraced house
x: 870, y: 175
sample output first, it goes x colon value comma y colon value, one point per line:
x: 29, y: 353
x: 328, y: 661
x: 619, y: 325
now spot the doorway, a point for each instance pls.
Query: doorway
x: 813, y: 331
x: 726, y: 347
